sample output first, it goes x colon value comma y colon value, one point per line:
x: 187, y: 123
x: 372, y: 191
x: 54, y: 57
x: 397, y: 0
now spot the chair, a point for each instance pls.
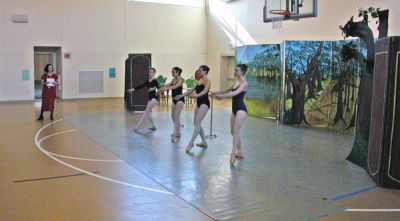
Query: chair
x: 190, y: 83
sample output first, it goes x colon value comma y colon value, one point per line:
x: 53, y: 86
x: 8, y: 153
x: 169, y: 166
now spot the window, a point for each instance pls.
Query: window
x: 193, y: 3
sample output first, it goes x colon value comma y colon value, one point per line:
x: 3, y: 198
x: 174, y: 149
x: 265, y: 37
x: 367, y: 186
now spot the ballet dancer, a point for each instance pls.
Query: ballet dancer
x: 239, y: 110
x: 151, y: 86
x: 176, y: 85
x: 203, y: 105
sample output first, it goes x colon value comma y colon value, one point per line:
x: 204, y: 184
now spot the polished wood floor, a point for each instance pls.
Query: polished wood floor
x: 34, y: 186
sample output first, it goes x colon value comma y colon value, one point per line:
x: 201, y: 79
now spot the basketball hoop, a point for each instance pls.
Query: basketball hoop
x: 277, y: 17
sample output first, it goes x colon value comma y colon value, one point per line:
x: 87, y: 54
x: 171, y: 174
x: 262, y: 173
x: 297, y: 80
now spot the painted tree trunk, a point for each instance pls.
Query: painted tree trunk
x: 339, y: 107
x: 311, y: 88
x: 319, y: 82
x: 297, y: 115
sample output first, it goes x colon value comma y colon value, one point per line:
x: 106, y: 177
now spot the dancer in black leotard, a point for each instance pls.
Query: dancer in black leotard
x: 237, y: 101
x: 177, y: 105
x: 239, y: 110
x: 202, y: 99
x: 151, y: 86
x: 203, y: 104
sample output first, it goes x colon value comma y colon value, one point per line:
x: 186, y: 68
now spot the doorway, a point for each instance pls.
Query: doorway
x: 227, y: 68
x: 43, y: 56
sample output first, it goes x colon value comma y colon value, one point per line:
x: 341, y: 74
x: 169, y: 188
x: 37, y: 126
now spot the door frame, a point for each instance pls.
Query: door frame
x: 56, y: 53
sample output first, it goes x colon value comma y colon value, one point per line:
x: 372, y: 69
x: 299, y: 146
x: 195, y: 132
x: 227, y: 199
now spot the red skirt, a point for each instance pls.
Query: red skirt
x: 48, y: 98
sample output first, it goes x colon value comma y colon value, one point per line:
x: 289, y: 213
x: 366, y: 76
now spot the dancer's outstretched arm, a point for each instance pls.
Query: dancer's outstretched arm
x: 207, y: 86
x: 188, y: 92
x: 145, y: 84
x: 242, y: 87
x: 171, y: 86
x: 223, y: 91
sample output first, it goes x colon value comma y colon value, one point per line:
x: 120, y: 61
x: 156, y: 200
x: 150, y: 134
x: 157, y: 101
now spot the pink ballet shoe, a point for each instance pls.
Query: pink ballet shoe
x: 202, y: 144
x: 189, y: 147
x: 239, y: 155
x: 174, y: 139
x: 233, y: 158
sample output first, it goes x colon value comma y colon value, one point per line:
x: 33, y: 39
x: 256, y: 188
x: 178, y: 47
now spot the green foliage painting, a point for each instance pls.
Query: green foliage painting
x: 321, y: 87
x: 263, y: 77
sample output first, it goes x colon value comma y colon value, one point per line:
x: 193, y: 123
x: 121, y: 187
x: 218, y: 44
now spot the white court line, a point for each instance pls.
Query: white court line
x: 372, y: 210
x: 84, y: 171
x: 73, y: 158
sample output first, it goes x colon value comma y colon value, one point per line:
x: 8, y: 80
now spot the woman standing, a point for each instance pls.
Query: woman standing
x: 239, y: 110
x: 49, y: 82
x: 176, y: 85
x: 203, y: 105
x: 151, y: 86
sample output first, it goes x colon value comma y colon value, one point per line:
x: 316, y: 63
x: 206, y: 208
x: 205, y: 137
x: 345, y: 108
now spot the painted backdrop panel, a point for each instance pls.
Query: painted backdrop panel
x: 263, y: 77
x: 321, y: 86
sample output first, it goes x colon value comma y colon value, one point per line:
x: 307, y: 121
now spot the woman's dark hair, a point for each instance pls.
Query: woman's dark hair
x: 243, y: 68
x: 177, y: 70
x: 153, y: 70
x: 205, y: 68
x: 46, y: 69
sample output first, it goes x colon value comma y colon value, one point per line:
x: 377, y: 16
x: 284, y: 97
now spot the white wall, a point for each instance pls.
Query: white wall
x: 99, y: 34
x: 17, y: 41
x: 243, y: 20
x: 175, y: 35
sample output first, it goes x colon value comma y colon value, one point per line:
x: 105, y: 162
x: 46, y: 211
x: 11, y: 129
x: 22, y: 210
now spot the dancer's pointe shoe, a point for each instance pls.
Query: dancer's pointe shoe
x: 174, y: 139
x: 40, y: 118
x: 189, y: 148
x: 233, y: 158
x: 239, y: 155
x: 202, y: 144
x: 153, y: 128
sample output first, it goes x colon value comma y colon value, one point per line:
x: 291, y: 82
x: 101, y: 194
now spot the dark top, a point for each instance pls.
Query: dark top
x: 148, y: 85
x: 202, y: 99
x: 175, y: 92
x: 237, y: 101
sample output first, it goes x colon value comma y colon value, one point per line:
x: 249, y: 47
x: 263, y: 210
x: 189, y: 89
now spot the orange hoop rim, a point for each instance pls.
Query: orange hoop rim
x: 280, y: 12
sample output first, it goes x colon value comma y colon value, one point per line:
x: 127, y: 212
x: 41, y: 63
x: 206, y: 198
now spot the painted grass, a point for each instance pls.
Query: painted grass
x: 260, y: 108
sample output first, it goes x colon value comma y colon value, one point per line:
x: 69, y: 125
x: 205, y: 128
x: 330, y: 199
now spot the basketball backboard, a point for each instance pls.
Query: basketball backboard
x: 291, y: 9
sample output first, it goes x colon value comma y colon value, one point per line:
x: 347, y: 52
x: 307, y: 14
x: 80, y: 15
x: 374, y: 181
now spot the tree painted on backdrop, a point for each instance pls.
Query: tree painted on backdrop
x: 302, y: 62
x: 265, y: 67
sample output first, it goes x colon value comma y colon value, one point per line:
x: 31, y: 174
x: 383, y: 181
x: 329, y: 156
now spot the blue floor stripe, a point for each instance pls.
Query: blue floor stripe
x: 353, y: 193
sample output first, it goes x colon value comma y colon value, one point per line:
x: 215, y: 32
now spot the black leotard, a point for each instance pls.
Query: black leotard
x: 148, y: 85
x: 176, y: 92
x: 237, y: 102
x: 203, y: 99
